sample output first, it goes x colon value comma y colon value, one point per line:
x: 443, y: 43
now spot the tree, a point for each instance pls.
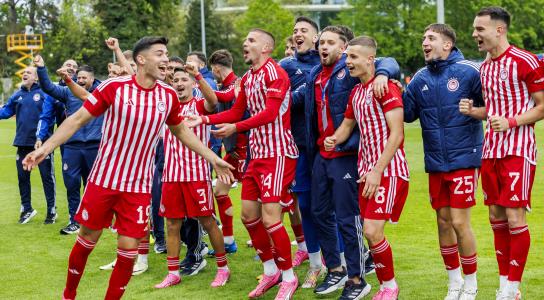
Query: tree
x: 270, y: 16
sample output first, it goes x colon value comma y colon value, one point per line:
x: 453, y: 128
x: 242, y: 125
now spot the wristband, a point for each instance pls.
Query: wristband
x: 198, y: 77
x: 68, y: 80
x: 512, y: 122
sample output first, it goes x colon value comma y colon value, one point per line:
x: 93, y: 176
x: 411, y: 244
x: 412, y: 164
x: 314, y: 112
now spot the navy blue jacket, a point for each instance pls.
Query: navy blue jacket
x: 338, y: 92
x: 26, y: 105
x: 91, y: 132
x: 451, y: 140
x: 298, y: 68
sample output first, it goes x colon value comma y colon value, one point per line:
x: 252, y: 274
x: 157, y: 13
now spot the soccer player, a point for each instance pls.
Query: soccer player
x: 187, y: 189
x: 513, y: 89
x: 452, y: 149
x: 382, y: 166
x: 289, y: 47
x: 271, y: 170
x: 334, y: 184
x: 235, y: 146
x: 298, y: 67
x: 118, y: 186
x: 26, y: 104
x: 81, y: 149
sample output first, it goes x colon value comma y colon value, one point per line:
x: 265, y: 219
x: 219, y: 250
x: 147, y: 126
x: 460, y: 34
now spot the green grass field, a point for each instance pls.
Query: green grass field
x: 34, y: 256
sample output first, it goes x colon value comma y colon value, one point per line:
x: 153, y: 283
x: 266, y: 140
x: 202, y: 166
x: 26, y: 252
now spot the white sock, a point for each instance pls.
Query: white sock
x: 390, y: 284
x: 223, y: 268
x: 455, y: 277
x: 288, y: 275
x: 512, y: 287
x: 502, y: 282
x: 270, y: 267
x: 343, y: 260
x: 302, y: 247
x: 315, y: 260
x: 176, y: 272
x: 142, y: 258
x: 470, y: 281
x: 228, y: 239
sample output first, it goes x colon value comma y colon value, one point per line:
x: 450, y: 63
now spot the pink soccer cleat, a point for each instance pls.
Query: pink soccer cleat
x: 169, y: 280
x: 221, y: 278
x: 265, y: 284
x: 287, y: 289
x: 386, y: 294
x: 300, y: 257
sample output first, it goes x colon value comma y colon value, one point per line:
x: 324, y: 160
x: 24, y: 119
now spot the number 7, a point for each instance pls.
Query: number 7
x: 514, y: 175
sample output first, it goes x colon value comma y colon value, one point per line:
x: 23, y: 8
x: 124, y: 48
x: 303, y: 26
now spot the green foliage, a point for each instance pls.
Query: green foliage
x: 270, y: 16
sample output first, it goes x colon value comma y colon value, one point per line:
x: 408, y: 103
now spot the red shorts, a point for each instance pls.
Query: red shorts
x: 508, y: 181
x: 455, y: 189
x: 238, y: 163
x: 186, y: 199
x: 388, y: 202
x: 268, y: 180
x: 99, y: 204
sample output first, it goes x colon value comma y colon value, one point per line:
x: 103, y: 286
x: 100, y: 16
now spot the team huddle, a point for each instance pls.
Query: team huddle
x: 319, y: 136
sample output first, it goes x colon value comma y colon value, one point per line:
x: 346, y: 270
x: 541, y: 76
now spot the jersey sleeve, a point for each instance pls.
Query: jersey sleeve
x: 349, y: 113
x: 391, y: 99
x: 174, y: 117
x: 100, y: 99
x: 201, y: 108
x: 278, y: 87
x: 533, y: 76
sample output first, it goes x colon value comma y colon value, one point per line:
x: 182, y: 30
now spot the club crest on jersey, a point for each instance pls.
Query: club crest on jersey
x: 65, y: 167
x: 341, y: 74
x: 503, y: 75
x: 161, y: 106
x: 368, y: 98
x: 37, y: 97
x: 453, y: 84
x: 85, y: 215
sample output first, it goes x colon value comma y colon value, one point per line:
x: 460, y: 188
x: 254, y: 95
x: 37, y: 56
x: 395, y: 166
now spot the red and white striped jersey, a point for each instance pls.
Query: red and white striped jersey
x: 369, y: 112
x: 134, y: 117
x: 182, y: 164
x: 265, y: 94
x: 507, y: 84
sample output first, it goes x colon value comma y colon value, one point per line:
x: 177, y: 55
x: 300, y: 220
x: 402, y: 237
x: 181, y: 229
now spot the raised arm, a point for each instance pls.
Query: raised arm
x: 75, y: 88
x: 58, y: 92
x: 113, y: 45
x: 205, y: 88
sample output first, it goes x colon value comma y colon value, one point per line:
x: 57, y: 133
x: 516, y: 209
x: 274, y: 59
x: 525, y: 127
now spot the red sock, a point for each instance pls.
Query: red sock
x: 299, y: 233
x: 520, y: 241
x: 450, y: 255
x: 501, y: 235
x: 121, y: 273
x: 76, y: 265
x: 279, y: 235
x: 469, y: 264
x: 173, y: 263
x: 259, y: 238
x: 224, y: 203
x: 383, y: 260
x: 143, y: 247
x: 221, y: 259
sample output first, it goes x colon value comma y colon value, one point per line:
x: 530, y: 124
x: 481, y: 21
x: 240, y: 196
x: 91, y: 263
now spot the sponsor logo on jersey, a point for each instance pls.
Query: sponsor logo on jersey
x: 378, y: 211
x: 514, y: 198
x: 469, y: 199
x: 298, y: 72
x: 425, y: 88
x: 453, y: 84
x: 347, y: 176
x: 203, y: 209
x: 161, y: 106
x: 266, y: 194
x: 37, y: 97
x: 503, y: 75
x: 129, y: 101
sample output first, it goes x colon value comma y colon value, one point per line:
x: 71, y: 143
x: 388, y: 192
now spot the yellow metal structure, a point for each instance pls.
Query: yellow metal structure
x: 24, y: 45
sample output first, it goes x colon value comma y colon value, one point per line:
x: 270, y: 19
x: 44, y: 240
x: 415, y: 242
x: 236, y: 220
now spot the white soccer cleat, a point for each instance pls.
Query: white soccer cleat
x: 139, y: 268
x: 468, y: 294
x: 454, y: 292
x: 109, y: 266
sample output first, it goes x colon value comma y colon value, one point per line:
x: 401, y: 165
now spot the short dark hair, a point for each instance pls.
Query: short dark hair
x: 146, y: 42
x: 348, y: 33
x: 364, y: 41
x: 199, y: 54
x: 496, y: 13
x: 307, y: 20
x: 85, y: 68
x: 443, y: 29
x: 290, y: 40
x: 265, y: 33
x: 176, y: 59
x: 221, y: 57
x: 180, y: 69
x: 337, y: 30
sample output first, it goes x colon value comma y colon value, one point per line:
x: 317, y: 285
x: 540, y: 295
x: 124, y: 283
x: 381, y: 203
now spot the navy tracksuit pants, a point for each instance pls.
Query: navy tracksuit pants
x: 156, y: 191
x: 77, y: 162
x: 47, y: 173
x: 335, y: 207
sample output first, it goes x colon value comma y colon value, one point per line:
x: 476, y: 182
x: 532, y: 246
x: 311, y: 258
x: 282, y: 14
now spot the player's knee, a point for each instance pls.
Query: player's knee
x: 373, y: 234
x: 207, y: 222
x: 173, y: 225
x: 444, y: 224
x: 461, y: 226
